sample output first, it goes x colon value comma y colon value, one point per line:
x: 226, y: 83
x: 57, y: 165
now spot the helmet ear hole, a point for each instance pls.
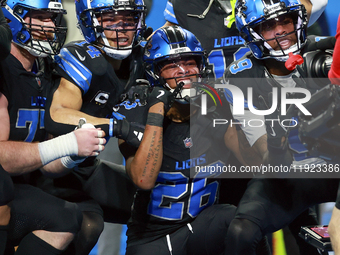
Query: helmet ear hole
x: 19, y: 10
x: 244, y: 36
x: 21, y: 37
x: 83, y: 18
x: 162, y: 81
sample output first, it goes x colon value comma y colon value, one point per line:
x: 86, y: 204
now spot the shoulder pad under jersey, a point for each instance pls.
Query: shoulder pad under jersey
x: 79, y: 62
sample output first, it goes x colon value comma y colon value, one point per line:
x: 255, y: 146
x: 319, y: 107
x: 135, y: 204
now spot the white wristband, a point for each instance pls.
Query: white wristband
x: 64, y: 145
x: 68, y: 162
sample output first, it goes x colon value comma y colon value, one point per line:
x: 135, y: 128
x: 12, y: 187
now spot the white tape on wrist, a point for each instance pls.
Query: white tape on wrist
x: 64, y: 145
x: 68, y: 162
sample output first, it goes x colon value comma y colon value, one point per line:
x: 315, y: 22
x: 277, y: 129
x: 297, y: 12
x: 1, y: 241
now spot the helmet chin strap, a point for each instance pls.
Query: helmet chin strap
x: 117, y: 54
x: 120, y: 54
x: 34, y: 51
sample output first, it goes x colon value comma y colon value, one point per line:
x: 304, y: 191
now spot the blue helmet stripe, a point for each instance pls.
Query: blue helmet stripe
x: 169, y: 13
x: 76, y: 70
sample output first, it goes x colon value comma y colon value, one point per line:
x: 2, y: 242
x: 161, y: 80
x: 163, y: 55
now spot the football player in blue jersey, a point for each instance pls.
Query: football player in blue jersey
x: 175, y: 210
x: 213, y: 22
x: 275, y: 32
x: 96, y: 71
x: 223, y: 43
x: 39, y: 223
x: 96, y: 74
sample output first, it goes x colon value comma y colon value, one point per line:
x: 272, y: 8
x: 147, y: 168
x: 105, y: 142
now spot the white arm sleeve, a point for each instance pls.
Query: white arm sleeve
x: 317, y: 9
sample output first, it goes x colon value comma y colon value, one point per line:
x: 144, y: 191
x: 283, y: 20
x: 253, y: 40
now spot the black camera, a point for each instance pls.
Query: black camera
x: 317, y: 60
x: 318, y: 63
x: 320, y: 132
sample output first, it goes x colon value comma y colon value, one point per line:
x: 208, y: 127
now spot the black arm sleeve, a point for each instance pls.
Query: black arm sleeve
x: 5, y: 37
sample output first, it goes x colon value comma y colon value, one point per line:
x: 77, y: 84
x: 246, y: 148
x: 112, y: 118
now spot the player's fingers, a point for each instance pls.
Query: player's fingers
x: 102, y: 141
x: 101, y: 133
x: 100, y: 148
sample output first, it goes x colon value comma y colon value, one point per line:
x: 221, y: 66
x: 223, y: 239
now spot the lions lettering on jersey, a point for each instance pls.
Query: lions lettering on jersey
x: 187, y: 164
x: 228, y: 41
x: 220, y: 44
x: 38, y: 101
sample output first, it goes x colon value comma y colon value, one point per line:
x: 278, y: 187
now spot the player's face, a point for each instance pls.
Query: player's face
x: 277, y: 27
x: 41, y: 24
x: 119, y: 28
x: 183, y: 70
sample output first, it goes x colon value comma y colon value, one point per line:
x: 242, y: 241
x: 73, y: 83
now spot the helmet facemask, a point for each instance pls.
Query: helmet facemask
x: 184, y: 95
x: 120, y: 21
x: 260, y: 46
x: 39, y: 31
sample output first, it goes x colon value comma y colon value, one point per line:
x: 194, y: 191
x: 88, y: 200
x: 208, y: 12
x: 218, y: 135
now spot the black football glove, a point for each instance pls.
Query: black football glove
x: 139, y: 91
x: 148, y: 32
x: 131, y: 132
x: 160, y: 94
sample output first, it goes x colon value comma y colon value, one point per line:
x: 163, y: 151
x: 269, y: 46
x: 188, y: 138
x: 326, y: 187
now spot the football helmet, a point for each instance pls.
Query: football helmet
x: 42, y: 39
x: 88, y: 13
x: 254, y: 15
x: 169, y: 45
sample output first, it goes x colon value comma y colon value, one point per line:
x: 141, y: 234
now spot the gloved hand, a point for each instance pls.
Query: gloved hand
x: 139, y: 91
x: 148, y: 32
x: 160, y: 94
x: 131, y: 132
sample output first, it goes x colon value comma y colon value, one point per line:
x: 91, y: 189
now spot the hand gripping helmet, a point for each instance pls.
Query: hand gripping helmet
x: 168, y: 45
x: 252, y: 14
x: 89, y: 11
x: 38, y: 40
